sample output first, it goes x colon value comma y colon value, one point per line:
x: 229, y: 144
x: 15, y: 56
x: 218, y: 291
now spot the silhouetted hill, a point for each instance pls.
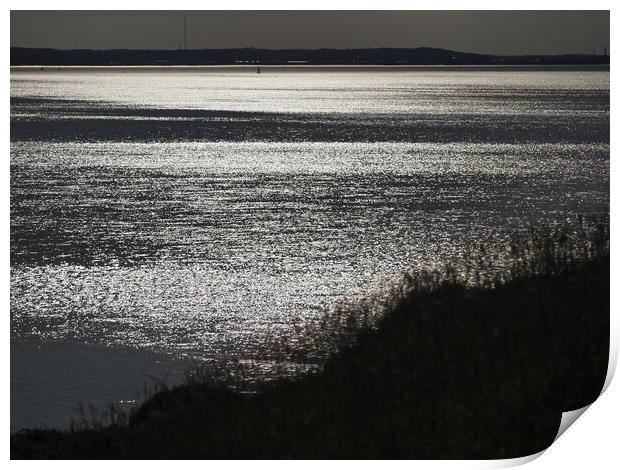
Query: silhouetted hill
x: 381, y: 56
x: 457, y: 366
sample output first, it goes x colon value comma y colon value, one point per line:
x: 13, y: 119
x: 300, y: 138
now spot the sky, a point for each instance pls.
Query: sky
x: 490, y: 32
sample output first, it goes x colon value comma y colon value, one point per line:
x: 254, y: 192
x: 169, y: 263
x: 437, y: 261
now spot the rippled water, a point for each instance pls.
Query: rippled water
x: 340, y: 90
x: 200, y: 246
x: 205, y: 212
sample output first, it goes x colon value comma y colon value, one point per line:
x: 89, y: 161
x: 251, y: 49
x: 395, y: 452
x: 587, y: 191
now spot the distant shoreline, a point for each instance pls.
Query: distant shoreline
x: 398, y: 57
x: 322, y: 67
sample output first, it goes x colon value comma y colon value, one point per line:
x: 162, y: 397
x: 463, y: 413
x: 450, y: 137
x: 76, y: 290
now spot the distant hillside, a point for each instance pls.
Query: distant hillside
x: 382, y: 56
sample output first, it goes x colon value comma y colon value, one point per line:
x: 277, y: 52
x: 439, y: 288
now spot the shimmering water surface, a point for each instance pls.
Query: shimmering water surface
x: 204, y: 212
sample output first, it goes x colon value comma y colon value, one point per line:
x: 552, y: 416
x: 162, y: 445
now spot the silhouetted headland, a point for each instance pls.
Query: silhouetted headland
x: 454, y: 363
x: 375, y: 56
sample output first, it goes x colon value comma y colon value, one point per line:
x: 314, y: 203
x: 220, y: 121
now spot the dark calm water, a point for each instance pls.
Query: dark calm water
x: 201, y: 213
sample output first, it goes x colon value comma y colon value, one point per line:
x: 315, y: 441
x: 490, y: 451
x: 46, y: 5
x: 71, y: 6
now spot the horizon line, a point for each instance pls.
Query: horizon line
x: 605, y: 54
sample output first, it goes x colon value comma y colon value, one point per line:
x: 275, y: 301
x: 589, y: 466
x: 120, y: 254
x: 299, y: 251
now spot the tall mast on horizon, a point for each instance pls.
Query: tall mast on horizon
x: 184, y: 33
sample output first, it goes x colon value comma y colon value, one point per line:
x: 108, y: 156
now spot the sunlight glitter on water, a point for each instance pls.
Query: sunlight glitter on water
x: 385, y: 92
x: 215, y: 249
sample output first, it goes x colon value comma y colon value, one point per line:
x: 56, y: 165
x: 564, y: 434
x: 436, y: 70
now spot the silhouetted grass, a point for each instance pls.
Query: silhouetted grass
x: 477, y: 359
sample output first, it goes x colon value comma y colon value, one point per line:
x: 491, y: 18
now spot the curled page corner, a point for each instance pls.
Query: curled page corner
x: 613, y: 360
x: 516, y: 462
x: 568, y: 418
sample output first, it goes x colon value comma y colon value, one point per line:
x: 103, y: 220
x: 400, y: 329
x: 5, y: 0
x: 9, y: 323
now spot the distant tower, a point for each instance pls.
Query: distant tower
x: 604, y: 50
x: 184, y: 33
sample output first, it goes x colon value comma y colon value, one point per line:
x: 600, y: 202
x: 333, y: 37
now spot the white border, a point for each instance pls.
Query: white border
x: 310, y: 5
x: 591, y: 442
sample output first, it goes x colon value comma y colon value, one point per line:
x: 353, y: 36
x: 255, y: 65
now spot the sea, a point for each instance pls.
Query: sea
x: 163, y: 216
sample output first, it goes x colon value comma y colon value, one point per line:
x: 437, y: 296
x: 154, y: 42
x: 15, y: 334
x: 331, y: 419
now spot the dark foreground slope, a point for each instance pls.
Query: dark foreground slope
x: 453, y: 370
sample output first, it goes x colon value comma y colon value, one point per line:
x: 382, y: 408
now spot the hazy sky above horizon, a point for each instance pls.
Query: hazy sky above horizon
x: 498, y: 32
